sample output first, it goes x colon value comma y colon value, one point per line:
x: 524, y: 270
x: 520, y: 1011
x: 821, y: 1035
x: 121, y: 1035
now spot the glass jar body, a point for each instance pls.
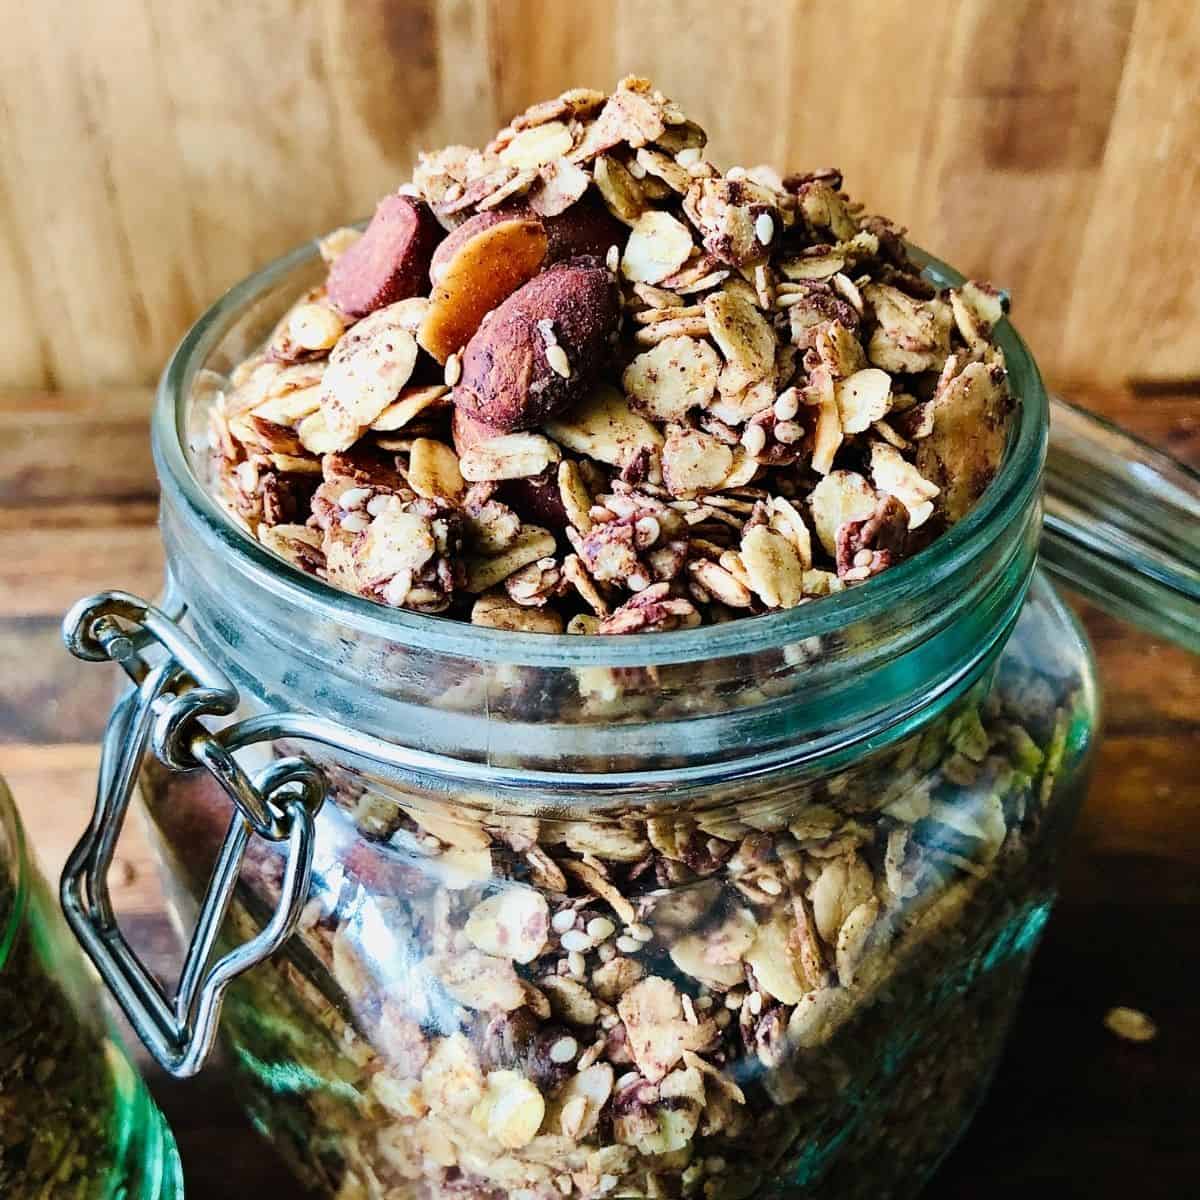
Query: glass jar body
x: 75, y: 1119
x: 792, y: 984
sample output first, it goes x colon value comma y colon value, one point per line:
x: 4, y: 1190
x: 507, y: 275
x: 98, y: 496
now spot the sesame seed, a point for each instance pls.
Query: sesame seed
x: 689, y: 1011
x: 628, y: 945
x: 643, y: 933
x: 788, y: 432
x: 576, y: 964
x: 354, y: 498
x: 576, y: 939
x: 770, y: 885
x: 755, y: 1002
x: 564, y: 1050
x: 607, y: 952
x: 637, y: 582
x: 356, y: 522
x: 453, y: 370
x: 754, y: 439
x: 377, y: 504
x: 722, y: 1019
x: 734, y: 999
x: 688, y: 156
x: 764, y: 228
x: 612, y: 260
x: 557, y: 361
x: 562, y: 921
x: 600, y: 928
x: 704, y: 1003
x: 625, y: 1080
x: 787, y: 404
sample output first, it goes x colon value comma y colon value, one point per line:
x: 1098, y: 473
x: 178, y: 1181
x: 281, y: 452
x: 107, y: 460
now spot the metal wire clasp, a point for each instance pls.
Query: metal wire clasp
x: 174, y: 685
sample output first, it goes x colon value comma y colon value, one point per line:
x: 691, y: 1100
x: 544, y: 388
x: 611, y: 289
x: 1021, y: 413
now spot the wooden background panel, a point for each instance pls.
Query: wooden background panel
x: 155, y: 151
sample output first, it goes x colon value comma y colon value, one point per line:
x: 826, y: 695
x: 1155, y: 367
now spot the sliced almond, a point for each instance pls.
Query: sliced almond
x: 514, y: 923
x: 605, y: 428
x: 657, y: 247
x: 367, y: 368
x: 774, y: 567
x: 510, y: 456
x: 528, y: 546
x: 776, y: 968
x: 409, y: 404
x: 621, y: 193
x: 863, y: 398
x: 677, y: 375
x: 538, y: 145
x: 574, y: 496
x: 894, y: 474
x: 694, y: 461
x: 433, y: 471
x: 742, y: 333
x: 840, y: 497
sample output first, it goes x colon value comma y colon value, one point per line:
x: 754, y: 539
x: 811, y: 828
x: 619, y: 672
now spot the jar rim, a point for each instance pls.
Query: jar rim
x: 1004, y: 499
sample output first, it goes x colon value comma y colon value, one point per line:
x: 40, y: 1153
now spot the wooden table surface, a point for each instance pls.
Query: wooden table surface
x: 1074, y: 1111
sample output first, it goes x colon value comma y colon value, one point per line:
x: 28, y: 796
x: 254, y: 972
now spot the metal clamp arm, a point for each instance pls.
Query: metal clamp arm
x: 175, y: 684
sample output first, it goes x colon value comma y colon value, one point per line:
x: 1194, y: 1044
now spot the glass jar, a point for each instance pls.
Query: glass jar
x: 75, y: 1120
x: 737, y: 911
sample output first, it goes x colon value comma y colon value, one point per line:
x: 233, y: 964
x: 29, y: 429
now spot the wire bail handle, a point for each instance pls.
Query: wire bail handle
x: 174, y: 685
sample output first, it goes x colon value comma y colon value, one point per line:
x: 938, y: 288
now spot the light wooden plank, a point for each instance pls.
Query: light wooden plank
x: 54, y: 787
x: 73, y: 562
x: 1136, y: 285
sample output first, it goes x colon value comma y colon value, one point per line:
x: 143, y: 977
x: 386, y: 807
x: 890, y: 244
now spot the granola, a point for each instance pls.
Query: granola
x: 72, y: 1118
x: 589, y: 298
x: 753, y: 993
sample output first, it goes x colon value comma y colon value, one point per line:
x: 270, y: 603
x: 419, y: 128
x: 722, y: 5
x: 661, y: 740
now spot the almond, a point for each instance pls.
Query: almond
x: 485, y: 261
x: 508, y: 381
x: 390, y: 261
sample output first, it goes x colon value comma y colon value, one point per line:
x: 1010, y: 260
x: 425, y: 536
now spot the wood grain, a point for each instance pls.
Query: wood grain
x: 155, y: 152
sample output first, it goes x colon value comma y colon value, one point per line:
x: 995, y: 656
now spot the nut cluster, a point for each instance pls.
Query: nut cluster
x: 582, y: 381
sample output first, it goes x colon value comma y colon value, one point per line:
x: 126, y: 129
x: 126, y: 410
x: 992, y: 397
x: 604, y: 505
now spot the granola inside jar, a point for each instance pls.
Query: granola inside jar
x: 75, y: 1120
x: 741, y: 910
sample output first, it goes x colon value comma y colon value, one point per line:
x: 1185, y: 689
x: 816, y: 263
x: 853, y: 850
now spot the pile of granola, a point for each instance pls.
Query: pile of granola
x: 57, y: 1091
x: 581, y: 380
x: 795, y: 988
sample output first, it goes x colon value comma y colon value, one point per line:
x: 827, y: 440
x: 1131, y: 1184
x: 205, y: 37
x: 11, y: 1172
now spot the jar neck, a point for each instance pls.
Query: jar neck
x: 830, y: 678
x: 823, y: 696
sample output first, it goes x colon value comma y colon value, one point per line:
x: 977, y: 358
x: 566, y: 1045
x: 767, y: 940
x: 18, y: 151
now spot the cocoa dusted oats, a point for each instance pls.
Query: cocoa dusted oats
x: 640, y: 358
x: 796, y: 990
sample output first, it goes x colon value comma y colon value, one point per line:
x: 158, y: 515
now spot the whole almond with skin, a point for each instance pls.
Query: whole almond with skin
x: 484, y: 262
x: 586, y: 228
x: 507, y: 380
x: 390, y: 261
